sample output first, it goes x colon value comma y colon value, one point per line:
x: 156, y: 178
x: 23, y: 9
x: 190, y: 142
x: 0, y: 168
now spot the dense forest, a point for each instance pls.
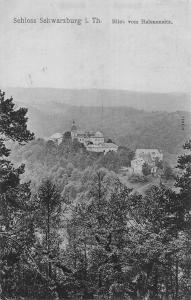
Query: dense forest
x: 64, y: 163
x: 70, y: 229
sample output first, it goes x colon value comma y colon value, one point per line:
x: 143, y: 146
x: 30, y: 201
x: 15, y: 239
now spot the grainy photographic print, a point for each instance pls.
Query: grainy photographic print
x: 95, y: 150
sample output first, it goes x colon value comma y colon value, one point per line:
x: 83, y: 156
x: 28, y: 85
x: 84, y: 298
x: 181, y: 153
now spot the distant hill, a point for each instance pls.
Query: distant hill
x: 94, y: 97
x: 156, y: 124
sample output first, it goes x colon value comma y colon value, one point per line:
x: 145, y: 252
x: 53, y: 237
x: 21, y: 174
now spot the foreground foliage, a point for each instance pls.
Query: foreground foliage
x: 91, y: 237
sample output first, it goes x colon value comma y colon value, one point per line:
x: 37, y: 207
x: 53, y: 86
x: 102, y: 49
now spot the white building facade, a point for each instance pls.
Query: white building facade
x: 137, y: 165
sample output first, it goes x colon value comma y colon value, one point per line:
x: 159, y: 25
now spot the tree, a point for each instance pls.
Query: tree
x: 168, y: 172
x: 158, y: 163
x: 13, y: 123
x: 110, y: 161
x: 184, y: 179
x: 125, y: 156
x: 97, y: 235
x: 12, y: 127
x: 67, y: 136
x: 146, y: 169
x: 183, y: 182
x: 48, y: 219
x: 156, y: 243
x: 15, y: 208
x: 109, y: 141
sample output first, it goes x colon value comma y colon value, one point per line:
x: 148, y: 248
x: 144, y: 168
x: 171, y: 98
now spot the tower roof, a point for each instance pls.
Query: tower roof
x: 74, y: 127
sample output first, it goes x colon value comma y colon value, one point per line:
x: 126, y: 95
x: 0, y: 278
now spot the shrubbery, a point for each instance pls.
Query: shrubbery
x: 135, y: 178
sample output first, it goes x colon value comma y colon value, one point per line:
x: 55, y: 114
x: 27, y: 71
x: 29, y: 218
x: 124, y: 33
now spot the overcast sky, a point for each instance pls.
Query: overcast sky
x: 154, y: 58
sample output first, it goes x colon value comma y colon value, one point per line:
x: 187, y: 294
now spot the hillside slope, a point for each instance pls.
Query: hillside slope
x: 49, y: 112
x: 97, y: 97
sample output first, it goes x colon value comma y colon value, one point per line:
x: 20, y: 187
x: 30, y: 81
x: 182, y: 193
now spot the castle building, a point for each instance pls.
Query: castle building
x: 93, y: 141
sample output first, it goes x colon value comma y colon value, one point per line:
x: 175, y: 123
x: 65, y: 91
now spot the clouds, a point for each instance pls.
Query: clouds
x: 136, y: 57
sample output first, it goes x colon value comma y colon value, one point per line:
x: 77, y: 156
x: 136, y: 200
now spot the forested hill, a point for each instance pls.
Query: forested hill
x: 95, y: 97
x: 49, y: 112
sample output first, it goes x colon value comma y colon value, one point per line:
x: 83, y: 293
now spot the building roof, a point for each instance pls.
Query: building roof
x: 147, y: 157
x: 146, y: 151
x: 110, y: 145
x: 56, y: 135
x: 89, y: 134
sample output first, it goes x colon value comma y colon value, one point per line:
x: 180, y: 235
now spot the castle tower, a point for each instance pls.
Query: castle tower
x: 73, y: 130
